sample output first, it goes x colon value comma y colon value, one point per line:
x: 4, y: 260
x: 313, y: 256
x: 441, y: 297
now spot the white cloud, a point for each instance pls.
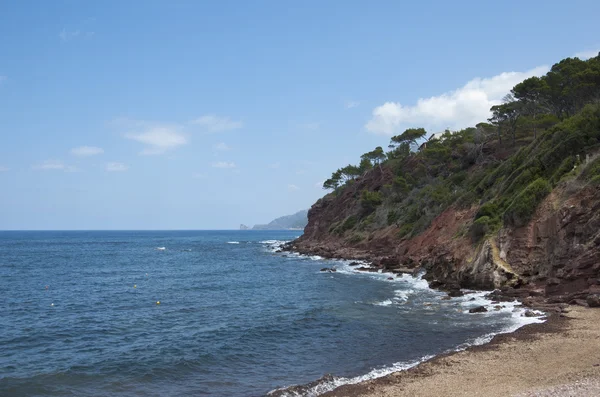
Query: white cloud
x: 157, y: 138
x: 212, y: 123
x: 3, y: 169
x: 274, y: 165
x: 84, y: 151
x: 66, y: 35
x: 351, y: 104
x: 116, y: 167
x: 221, y: 146
x: 293, y: 188
x: 223, y: 164
x: 457, y: 109
x: 587, y: 54
x: 55, y: 165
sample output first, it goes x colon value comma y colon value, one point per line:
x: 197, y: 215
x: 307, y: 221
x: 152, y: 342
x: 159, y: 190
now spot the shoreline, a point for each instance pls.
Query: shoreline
x: 557, y: 356
x: 552, y: 321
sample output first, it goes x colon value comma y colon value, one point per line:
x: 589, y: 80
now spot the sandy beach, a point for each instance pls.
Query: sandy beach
x: 560, y: 357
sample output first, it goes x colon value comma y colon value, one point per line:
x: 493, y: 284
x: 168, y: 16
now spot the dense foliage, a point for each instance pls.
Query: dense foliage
x: 547, y: 129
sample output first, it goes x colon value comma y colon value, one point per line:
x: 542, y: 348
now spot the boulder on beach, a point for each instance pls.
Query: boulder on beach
x: 328, y: 269
x: 593, y: 300
x: 478, y: 309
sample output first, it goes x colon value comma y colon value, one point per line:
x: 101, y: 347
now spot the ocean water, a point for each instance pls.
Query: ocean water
x: 79, y: 316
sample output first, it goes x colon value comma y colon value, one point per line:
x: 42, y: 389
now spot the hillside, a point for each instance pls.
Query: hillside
x: 294, y: 221
x: 511, y: 203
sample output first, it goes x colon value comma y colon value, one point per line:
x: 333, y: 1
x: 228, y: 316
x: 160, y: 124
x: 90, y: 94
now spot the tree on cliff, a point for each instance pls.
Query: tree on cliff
x: 333, y: 182
x: 365, y: 165
x: 507, y: 114
x: 375, y: 157
x: 350, y: 172
x: 532, y: 93
x: 409, y: 136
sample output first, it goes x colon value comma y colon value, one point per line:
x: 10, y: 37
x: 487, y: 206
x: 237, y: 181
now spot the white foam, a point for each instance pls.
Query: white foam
x: 274, y: 245
x: 233, y: 242
x: 161, y: 248
x: 403, y: 294
x: 335, y: 382
x: 271, y: 241
x: 418, y: 287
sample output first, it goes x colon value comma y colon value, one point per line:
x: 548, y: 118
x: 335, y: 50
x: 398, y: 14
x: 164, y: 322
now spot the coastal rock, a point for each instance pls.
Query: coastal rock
x: 554, y: 257
x: 478, y: 309
x: 455, y: 293
x: 529, y: 313
x: 367, y: 269
x: 593, y: 300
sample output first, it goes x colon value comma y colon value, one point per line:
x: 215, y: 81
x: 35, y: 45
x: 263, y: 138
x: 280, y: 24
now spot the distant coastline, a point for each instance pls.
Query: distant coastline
x: 295, y: 221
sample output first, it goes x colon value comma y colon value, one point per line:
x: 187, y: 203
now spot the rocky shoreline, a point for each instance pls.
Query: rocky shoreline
x: 531, y: 298
x: 548, y: 359
x: 361, y: 262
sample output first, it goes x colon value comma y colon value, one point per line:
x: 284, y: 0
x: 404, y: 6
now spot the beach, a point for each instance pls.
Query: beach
x: 560, y: 357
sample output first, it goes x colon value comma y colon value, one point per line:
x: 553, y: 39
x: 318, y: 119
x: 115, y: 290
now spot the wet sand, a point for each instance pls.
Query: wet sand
x: 560, y: 357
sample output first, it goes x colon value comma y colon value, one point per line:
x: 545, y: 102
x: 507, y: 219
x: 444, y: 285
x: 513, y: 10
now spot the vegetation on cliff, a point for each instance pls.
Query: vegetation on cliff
x: 546, y: 132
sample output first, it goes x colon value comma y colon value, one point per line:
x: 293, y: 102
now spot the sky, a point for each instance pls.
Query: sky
x: 209, y: 114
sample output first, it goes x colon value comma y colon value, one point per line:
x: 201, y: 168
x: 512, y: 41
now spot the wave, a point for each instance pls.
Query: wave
x: 331, y: 382
x: 161, y: 248
x: 233, y: 242
x: 411, y: 286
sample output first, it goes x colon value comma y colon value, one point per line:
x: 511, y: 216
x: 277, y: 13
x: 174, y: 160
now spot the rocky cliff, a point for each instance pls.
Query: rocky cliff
x: 555, y: 256
x: 513, y: 205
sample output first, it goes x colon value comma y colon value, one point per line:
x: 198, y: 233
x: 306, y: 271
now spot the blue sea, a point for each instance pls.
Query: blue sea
x: 80, y: 316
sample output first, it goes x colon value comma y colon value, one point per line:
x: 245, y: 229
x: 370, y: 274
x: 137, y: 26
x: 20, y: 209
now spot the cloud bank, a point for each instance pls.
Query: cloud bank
x: 463, y: 107
x: 157, y: 138
x: 55, y: 165
x: 85, y: 151
x: 212, y: 123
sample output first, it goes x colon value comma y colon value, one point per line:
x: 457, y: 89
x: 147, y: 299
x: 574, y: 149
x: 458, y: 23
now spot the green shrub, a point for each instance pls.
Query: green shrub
x: 489, y: 209
x: 519, y: 212
x: 400, y: 184
x: 405, y: 230
x: 348, y: 224
x: 366, y: 222
x: 591, y: 170
x: 564, y: 168
x: 595, y: 180
x: 392, y: 217
x: 370, y: 200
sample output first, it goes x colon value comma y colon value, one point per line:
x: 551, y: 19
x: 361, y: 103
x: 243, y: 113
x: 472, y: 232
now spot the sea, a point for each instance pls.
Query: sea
x: 213, y: 313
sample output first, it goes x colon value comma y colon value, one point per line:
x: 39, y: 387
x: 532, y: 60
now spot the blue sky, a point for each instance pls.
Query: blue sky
x: 205, y: 115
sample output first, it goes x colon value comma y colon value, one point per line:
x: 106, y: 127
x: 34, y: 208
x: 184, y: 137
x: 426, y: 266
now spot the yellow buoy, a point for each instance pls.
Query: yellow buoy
x: 134, y: 286
x: 158, y: 302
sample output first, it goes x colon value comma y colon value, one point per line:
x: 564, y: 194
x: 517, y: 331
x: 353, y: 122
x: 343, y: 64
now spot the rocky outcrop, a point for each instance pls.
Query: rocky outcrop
x: 555, y: 257
x: 485, y: 271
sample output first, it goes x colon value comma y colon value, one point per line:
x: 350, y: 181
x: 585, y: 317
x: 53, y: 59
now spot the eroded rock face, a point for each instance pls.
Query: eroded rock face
x: 555, y: 257
x: 560, y: 248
